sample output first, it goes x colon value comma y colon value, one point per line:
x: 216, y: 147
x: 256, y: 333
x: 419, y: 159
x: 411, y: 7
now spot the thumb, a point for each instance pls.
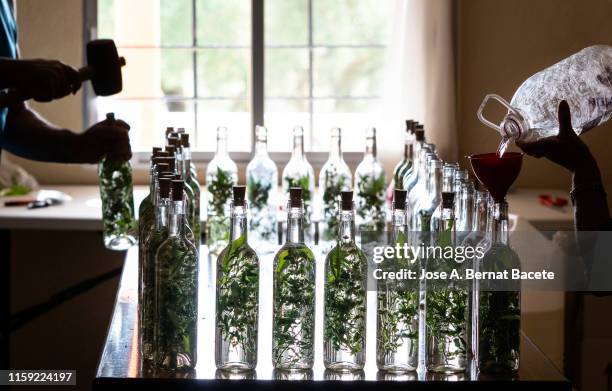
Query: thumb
x: 565, y: 120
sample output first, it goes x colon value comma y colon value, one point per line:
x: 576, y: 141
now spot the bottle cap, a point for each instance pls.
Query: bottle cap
x: 110, y: 116
x: 238, y: 196
x: 184, y: 137
x: 347, y: 200
x: 399, y: 199
x: 166, y: 174
x: 162, y: 154
x: 448, y: 199
x: 161, y: 167
x: 164, y: 187
x: 409, y: 127
x: 155, y: 151
x: 177, y: 190
x: 170, y: 161
x: 171, y: 149
x: 169, y: 130
x: 174, y: 140
x: 419, y: 134
x: 295, y: 197
x: 180, y: 130
x: 178, y: 177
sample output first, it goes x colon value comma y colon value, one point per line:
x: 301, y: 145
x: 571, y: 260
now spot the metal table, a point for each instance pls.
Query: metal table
x: 119, y: 366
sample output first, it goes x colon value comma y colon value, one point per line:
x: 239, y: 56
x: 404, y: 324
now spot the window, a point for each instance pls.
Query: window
x: 189, y: 64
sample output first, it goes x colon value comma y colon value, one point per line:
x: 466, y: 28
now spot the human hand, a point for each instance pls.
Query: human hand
x: 107, y: 138
x: 566, y: 149
x: 45, y: 80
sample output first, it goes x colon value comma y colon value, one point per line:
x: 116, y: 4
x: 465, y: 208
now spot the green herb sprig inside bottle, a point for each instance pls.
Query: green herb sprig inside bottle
x: 447, y: 308
x: 117, y: 196
x: 237, y: 305
x: 176, y: 283
x: 189, y: 175
x: 397, y: 318
x: 293, y: 308
x: 221, y: 176
x: 335, y: 177
x: 344, y: 324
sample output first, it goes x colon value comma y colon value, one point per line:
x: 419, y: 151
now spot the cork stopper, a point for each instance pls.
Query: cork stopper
x: 155, y: 151
x: 238, y: 195
x: 177, y: 190
x: 169, y: 130
x: 347, y: 200
x: 184, y: 137
x: 171, y: 149
x: 162, y: 167
x: 164, y: 187
x: 399, y: 199
x: 295, y: 197
x: 448, y: 199
x: 162, y: 154
x: 409, y: 127
x: 419, y: 133
x: 110, y: 116
x: 166, y: 174
x: 174, y: 141
x: 170, y: 161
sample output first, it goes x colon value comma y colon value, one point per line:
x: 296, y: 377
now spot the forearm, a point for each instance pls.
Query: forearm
x: 30, y: 136
x: 591, y: 211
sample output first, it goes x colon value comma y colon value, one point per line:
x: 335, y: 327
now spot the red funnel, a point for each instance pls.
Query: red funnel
x: 497, y: 173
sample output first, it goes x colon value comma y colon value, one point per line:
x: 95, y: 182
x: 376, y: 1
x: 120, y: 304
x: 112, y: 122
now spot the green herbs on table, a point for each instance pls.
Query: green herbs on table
x: 220, y: 189
x: 345, y: 299
x: 237, y: 295
x: 371, y: 200
x: 294, y: 306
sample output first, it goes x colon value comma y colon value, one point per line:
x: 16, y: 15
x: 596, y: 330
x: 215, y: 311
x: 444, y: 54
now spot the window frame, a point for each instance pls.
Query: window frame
x: 256, y: 94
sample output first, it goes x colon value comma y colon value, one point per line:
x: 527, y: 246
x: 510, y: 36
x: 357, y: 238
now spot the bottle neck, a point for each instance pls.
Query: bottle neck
x: 238, y: 222
x: 335, y: 149
x: 186, y: 154
x: 347, y: 227
x: 162, y: 213
x: 499, y: 223
x: 177, y: 219
x: 261, y: 147
x: 298, y: 146
x: 433, y: 183
x: 399, y: 224
x: 153, y: 187
x: 295, y: 222
x: 222, y: 145
x: 370, y: 150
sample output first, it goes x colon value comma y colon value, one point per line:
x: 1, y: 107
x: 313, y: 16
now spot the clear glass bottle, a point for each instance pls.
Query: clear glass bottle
x: 153, y: 240
x: 411, y: 175
x: 334, y: 178
x: 464, y: 203
x: 448, y: 177
x: 262, y: 182
x: 447, y: 306
x: 424, y: 210
x: 117, y: 196
x: 344, y: 323
x: 397, y: 304
x: 176, y: 292
x: 498, y: 320
x: 419, y: 191
x: 189, y: 175
x: 237, y: 310
x: 406, y: 163
x: 370, y: 186
x: 299, y: 173
x: 221, y: 176
x: 293, y: 318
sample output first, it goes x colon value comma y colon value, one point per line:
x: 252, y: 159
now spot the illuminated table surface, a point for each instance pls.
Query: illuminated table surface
x: 119, y: 366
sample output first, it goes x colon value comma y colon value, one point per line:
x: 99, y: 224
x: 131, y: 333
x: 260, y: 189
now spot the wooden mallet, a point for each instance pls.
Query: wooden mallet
x: 103, y: 69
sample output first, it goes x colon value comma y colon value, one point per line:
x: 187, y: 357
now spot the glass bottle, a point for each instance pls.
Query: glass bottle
x: 397, y: 304
x: 299, y: 173
x: 344, y: 323
x: 411, y: 175
x: 221, y: 176
x: 237, y: 310
x: 429, y: 197
x: 262, y: 182
x: 498, y: 320
x: 176, y: 292
x: 293, y: 318
x: 403, y: 166
x: 147, y: 272
x: 117, y: 196
x: 370, y: 186
x: 191, y: 181
x: 447, y: 305
x: 418, y: 191
x: 464, y: 203
x: 448, y: 177
x: 334, y: 178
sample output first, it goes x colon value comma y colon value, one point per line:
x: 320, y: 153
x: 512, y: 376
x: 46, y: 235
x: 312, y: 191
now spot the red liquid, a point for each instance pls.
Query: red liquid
x: 497, y: 173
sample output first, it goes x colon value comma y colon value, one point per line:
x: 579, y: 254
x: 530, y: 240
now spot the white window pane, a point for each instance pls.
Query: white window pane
x: 223, y: 73
x: 348, y: 71
x: 224, y: 22
x: 354, y: 22
x: 286, y: 73
x: 148, y: 119
x: 176, y: 22
x: 286, y: 22
x: 233, y: 114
